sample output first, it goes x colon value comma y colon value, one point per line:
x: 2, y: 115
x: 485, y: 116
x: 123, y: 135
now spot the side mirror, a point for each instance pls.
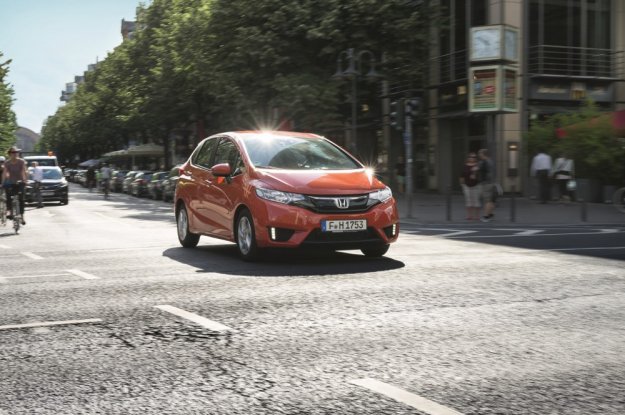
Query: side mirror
x: 221, y: 170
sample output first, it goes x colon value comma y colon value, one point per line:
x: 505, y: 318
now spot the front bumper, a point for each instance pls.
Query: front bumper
x: 279, y: 225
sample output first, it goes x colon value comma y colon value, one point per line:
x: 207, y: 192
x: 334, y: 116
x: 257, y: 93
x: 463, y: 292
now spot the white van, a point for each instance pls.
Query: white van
x: 42, y: 160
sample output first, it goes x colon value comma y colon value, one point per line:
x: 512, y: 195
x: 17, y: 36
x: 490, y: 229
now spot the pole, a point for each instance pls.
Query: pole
x: 354, y: 121
x: 408, y: 147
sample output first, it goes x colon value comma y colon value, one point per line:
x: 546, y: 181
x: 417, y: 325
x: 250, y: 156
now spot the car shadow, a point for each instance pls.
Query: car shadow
x: 224, y: 259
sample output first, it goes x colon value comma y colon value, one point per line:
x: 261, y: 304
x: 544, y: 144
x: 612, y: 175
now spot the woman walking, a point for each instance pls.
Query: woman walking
x: 469, y: 181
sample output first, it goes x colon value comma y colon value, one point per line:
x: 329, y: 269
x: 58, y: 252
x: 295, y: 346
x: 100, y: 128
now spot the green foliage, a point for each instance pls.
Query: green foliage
x: 237, y: 64
x: 8, y: 123
x: 589, y: 140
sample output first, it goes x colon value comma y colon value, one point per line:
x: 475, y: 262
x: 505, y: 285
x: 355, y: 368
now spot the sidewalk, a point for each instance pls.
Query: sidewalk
x: 432, y: 208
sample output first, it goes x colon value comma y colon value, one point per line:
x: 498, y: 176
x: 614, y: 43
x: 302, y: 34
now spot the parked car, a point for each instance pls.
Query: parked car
x: 130, y: 176
x: 53, y: 187
x: 155, y: 185
x: 139, y: 186
x: 282, y: 189
x: 117, y: 180
x: 169, y: 184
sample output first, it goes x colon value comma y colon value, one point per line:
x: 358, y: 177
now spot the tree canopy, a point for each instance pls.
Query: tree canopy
x: 196, y: 67
x: 8, y: 123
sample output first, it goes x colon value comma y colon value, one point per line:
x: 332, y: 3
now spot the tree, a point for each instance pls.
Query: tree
x: 8, y: 123
x: 587, y: 137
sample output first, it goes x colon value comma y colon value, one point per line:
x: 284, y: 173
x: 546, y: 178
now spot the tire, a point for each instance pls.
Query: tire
x: 245, y: 236
x: 65, y: 202
x: 375, y: 252
x: 186, y: 238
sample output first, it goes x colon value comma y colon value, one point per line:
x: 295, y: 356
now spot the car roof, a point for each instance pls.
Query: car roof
x: 274, y: 133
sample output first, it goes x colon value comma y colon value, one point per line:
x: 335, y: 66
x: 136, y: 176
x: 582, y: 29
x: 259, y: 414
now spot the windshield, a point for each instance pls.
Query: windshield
x: 48, y: 174
x: 295, y: 153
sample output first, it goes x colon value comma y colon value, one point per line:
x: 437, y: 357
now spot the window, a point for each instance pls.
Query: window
x: 202, y: 157
x: 227, y: 152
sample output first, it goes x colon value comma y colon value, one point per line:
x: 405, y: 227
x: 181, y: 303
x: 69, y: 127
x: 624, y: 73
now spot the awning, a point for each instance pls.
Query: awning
x: 116, y: 153
x: 89, y: 163
x: 146, y: 150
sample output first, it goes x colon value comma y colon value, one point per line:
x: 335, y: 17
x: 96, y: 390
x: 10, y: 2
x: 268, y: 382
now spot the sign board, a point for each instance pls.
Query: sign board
x: 493, y: 88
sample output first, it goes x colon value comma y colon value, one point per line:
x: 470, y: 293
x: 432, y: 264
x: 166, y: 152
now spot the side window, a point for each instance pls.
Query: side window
x: 227, y: 152
x: 204, y: 154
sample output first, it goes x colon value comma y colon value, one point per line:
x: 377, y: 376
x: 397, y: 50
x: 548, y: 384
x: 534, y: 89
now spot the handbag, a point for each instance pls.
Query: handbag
x: 571, y: 185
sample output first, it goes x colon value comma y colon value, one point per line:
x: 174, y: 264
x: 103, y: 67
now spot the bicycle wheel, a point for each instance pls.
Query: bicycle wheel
x: 16, y: 214
x: 618, y: 199
x: 3, y: 211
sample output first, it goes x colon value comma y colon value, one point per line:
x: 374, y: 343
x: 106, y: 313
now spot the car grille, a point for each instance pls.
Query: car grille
x: 336, y: 204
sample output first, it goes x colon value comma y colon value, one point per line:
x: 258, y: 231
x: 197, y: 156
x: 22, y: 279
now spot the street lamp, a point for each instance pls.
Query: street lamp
x: 355, y: 61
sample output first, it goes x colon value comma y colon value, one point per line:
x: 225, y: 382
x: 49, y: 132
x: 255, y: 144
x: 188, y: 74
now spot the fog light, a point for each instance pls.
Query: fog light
x: 394, y: 229
x: 272, y: 233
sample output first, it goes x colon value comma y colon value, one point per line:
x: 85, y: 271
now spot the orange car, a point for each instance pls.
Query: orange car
x: 282, y: 190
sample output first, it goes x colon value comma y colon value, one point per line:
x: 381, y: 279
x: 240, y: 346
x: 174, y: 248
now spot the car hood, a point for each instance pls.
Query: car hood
x: 319, y: 182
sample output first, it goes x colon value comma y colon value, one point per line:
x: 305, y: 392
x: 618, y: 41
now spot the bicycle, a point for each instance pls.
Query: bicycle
x: 618, y: 199
x: 3, y: 207
x: 15, y: 206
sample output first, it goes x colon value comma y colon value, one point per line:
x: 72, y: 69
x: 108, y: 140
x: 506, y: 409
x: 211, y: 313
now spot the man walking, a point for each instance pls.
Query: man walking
x: 37, y: 173
x: 541, y: 169
x: 487, y: 184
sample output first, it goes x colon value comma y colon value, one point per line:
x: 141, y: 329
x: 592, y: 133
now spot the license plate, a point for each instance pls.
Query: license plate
x: 343, y: 225
x: 47, y: 193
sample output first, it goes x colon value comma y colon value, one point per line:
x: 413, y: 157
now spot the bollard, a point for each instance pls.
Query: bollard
x: 449, y: 204
x: 513, y: 205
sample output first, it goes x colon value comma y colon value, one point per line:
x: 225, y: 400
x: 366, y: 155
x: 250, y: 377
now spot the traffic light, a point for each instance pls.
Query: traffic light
x: 396, y: 114
x: 413, y: 107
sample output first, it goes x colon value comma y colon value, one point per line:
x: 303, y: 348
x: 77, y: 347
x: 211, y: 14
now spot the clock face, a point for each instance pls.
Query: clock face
x: 511, y: 45
x: 486, y: 44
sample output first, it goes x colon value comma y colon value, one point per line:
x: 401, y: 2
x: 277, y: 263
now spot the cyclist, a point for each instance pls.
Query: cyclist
x: 13, y: 179
x: 105, y: 177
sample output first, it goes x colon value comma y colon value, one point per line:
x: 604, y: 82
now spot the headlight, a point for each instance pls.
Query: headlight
x: 380, y: 195
x: 278, y: 196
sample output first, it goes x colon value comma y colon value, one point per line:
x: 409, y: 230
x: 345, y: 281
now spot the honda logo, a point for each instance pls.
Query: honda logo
x: 341, y: 203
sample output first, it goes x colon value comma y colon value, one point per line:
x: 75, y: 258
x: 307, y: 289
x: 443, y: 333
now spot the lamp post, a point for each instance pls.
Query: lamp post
x: 355, y: 60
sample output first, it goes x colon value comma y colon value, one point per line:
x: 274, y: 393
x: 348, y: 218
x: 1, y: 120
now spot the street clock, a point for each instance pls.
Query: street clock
x: 493, y: 43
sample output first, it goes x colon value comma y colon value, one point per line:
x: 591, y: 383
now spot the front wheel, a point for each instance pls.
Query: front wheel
x: 186, y: 238
x: 246, y: 237
x: 375, y: 252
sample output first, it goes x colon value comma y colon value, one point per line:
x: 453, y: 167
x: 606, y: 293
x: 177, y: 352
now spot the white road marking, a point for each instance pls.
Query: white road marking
x: 587, y: 248
x: 35, y: 276
x: 418, y: 402
x: 202, y: 321
x: 5, y: 247
x: 526, y: 232
x: 608, y: 230
x: 452, y: 233
x: 82, y: 274
x: 49, y: 323
x: 31, y: 255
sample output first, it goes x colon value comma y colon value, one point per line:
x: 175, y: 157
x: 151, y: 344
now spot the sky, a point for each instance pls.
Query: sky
x: 50, y: 42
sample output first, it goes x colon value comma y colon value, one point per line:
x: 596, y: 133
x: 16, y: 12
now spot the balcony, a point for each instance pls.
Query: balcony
x: 573, y: 62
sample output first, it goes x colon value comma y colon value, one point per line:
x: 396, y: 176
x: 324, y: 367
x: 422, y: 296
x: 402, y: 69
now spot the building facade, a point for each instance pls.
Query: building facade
x: 568, y: 51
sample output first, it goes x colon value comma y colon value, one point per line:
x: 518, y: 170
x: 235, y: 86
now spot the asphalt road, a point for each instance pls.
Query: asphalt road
x: 102, y: 312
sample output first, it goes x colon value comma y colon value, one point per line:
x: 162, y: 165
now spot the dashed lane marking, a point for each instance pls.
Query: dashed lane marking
x: 202, y: 321
x: 526, y: 232
x: 418, y: 402
x: 83, y: 274
x: 31, y: 255
x: 452, y: 233
x: 49, y: 323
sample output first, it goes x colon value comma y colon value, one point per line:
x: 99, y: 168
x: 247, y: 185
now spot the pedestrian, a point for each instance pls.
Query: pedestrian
x: 90, y: 177
x: 37, y: 176
x: 105, y: 177
x: 541, y: 169
x: 563, y: 171
x: 487, y: 184
x: 400, y: 173
x: 13, y: 179
x: 469, y: 181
